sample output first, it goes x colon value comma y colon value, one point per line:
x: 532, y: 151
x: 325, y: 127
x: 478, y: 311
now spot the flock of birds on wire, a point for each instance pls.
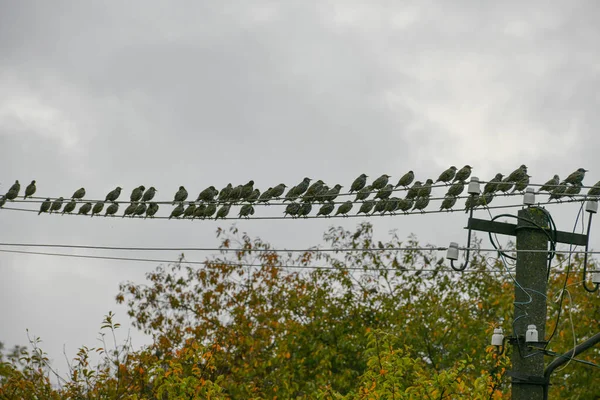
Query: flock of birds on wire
x: 213, y: 203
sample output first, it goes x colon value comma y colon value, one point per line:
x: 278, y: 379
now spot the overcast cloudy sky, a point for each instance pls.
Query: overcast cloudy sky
x: 100, y: 94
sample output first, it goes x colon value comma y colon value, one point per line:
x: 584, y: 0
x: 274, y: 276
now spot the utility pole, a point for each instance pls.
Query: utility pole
x: 533, y: 233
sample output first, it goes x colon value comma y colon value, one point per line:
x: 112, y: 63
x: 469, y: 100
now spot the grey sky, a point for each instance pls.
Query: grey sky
x: 198, y: 93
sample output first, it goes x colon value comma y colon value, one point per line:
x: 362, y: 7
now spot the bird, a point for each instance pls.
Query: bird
x: 504, y: 186
x: 98, y: 207
x: 223, y: 211
x: 366, y: 207
x: 420, y: 203
x: 485, y: 199
x: 405, y: 205
x: 112, y: 209
x: 292, y: 209
x: 180, y: 195
x: 492, y: 185
x: 521, y: 185
x: 518, y: 174
x: 594, y: 190
x: 113, y: 195
x: 456, y: 189
x: 291, y: 195
x: 406, y: 179
x: 56, y: 205
x: 425, y: 190
x: 278, y: 190
x: 13, y: 192
x: 344, y: 208
x: 414, y: 190
x: 391, y: 205
x: 558, y: 191
x: 471, y: 202
x: 385, y: 192
x: 199, y: 211
x: 359, y: 183
x: 266, y: 196
x: 69, y: 207
x: 208, y: 194
x: 247, y: 210
x: 302, y: 187
x: 305, y: 209
x: 463, y: 174
x: 448, y: 203
x: 45, y: 206
x: 149, y: 194
x: 177, y: 211
x: 224, y: 193
x: 189, y: 211
x: 253, y: 196
x: 140, y: 209
x: 447, y: 175
x: 573, y: 190
x: 247, y: 190
x: 313, y: 190
x: 550, y: 184
x: 332, y: 193
x: 130, y: 209
x: 236, y: 194
x: 151, y: 210
x: 84, y: 209
x: 30, y: 190
x: 380, y: 182
x: 79, y: 194
x: 380, y: 206
x: 137, y: 193
x: 364, y: 193
x: 211, y: 209
x: 2, y: 201
x: 326, y: 209
x: 576, y: 177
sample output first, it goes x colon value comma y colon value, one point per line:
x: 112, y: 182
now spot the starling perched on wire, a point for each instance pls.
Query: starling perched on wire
x: 573, y: 190
x: 414, y: 190
x: 359, y: 183
x: 292, y: 209
x: 69, y: 207
x: 550, y: 184
x: 344, y: 208
x: 199, y: 211
x: 559, y: 191
x: 224, y: 193
x: 332, y: 193
x: 180, y: 195
x: 149, y: 194
x: 246, y: 210
x: 223, y: 211
x: 504, y: 186
x: 247, y: 190
x: 385, y: 192
x: 189, y: 211
x: 208, y: 194
x: 151, y: 210
x: 594, y: 190
x: 463, y: 174
x: 253, y: 196
x: 211, y: 209
x: 380, y: 182
x: 79, y: 194
x: 406, y: 179
x: 380, y: 206
x: 278, y: 190
x: 16, y: 187
x: 448, y: 203
x: 391, y: 205
x: 313, y: 190
x: 456, y: 189
x: 302, y: 187
x: 266, y: 196
x: 576, y: 177
x: 29, y: 190
x: 13, y: 192
x: 447, y: 175
x: 518, y: 174
x: 305, y: 209
x: 320, y: 197
x: 236, y: 194
x: 177, y: 211
x: 471, y: 202
x: 366, y: 207
x: 98, y: 207
x: 140, y: 209
x: 130, y: 209
x: 485, y: 199
x: 84, y: 209
x: 45, y: 206
x: 405, y: 205
x: 112, y: 209
x: 425, y: 190
x: 56, y: 205
x: 492, y: 185
x: 420, y: 203
x: 326, y: 209
x: 113, y: 195
x: 137, y: 193
x: 363, y: 193
x: 521, y: 185
x: 291, y: 195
